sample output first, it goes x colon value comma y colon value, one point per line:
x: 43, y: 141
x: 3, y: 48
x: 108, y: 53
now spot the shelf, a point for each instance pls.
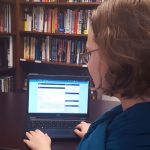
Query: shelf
x: 52, y: 63
x: 7, y: 70
x: 7, y: 1
x: 6, y: 34
x: 62, y: 4
x: 51, y: 34
x: 23, y: 66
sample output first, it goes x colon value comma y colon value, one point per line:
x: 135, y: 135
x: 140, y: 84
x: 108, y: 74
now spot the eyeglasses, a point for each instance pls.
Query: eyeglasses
x: 84, y: 57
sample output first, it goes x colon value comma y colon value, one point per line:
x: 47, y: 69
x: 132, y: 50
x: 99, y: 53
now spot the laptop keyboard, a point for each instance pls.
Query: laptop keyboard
x: 56, y: 124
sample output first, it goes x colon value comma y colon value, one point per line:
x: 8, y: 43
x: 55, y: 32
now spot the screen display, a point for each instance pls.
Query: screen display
x: 58, y: 96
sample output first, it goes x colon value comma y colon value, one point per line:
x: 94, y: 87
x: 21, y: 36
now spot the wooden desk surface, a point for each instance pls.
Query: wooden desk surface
x: 12, y: 124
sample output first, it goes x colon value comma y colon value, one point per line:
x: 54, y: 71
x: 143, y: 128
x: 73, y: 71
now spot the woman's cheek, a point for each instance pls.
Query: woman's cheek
x: 94, y: 71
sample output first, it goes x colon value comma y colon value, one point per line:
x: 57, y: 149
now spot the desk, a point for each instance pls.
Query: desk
x: 12, y: 124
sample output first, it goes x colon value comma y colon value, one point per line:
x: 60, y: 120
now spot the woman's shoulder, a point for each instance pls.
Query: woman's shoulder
x: 130, y: 129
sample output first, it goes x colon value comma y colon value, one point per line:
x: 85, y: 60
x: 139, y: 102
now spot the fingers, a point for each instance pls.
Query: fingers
x: 79, y: 126
x: 37, y: 140
x: 34, y: 132
x: 47, y: 135
x: 39, y: 131
x: 79, y: 129
x: 82, y: 128
x: 29, y: 135
x: 27, y: 142
x: 78, y: 132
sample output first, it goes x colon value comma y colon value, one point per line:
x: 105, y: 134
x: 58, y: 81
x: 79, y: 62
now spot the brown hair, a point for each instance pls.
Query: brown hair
x: 122, y: 31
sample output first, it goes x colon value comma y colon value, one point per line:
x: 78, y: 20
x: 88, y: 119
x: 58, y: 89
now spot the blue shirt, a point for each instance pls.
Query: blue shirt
x: 120, y: 130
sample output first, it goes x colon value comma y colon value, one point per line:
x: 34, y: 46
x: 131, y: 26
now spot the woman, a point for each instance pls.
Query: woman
x: 118, y: 53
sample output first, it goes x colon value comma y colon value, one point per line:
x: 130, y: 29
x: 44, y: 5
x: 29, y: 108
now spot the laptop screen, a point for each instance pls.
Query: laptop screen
x: 59, y: 94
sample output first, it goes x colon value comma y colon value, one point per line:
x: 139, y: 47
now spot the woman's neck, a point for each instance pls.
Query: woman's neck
x: 126, y: 103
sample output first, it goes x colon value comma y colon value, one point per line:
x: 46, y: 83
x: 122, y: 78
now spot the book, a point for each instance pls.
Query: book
x: 10, y: 52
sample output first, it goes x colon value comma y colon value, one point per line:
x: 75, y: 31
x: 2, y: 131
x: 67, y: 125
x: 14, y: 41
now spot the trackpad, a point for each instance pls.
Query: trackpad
x: 61, y: 133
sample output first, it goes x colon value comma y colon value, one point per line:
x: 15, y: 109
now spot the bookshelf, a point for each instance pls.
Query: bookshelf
x: 23, y: 64
x: 29, y: 33
x: 62, y: 4
x: 7, y: 42
x: 7, y: 1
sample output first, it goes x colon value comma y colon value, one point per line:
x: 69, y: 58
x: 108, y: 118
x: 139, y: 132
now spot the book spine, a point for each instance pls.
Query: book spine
x: 10, y: 52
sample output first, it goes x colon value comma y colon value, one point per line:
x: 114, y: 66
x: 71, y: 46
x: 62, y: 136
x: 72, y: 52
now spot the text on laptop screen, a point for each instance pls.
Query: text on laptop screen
x: 58, y: 96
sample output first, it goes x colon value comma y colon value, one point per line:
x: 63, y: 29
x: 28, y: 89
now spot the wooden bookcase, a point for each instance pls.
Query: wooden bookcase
x: 24, y: 66
x: 7, y: 36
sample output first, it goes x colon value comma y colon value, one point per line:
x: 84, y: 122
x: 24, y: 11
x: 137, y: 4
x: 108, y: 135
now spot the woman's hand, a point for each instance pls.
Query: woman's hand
x: 82, y: 128
x: 37, y: 140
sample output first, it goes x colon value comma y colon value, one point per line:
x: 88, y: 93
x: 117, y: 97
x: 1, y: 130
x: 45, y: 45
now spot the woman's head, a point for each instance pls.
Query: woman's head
x: 122, y: 32
x: 96, y: 64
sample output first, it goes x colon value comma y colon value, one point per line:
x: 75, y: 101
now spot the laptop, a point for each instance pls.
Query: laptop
x: 57, y: 103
